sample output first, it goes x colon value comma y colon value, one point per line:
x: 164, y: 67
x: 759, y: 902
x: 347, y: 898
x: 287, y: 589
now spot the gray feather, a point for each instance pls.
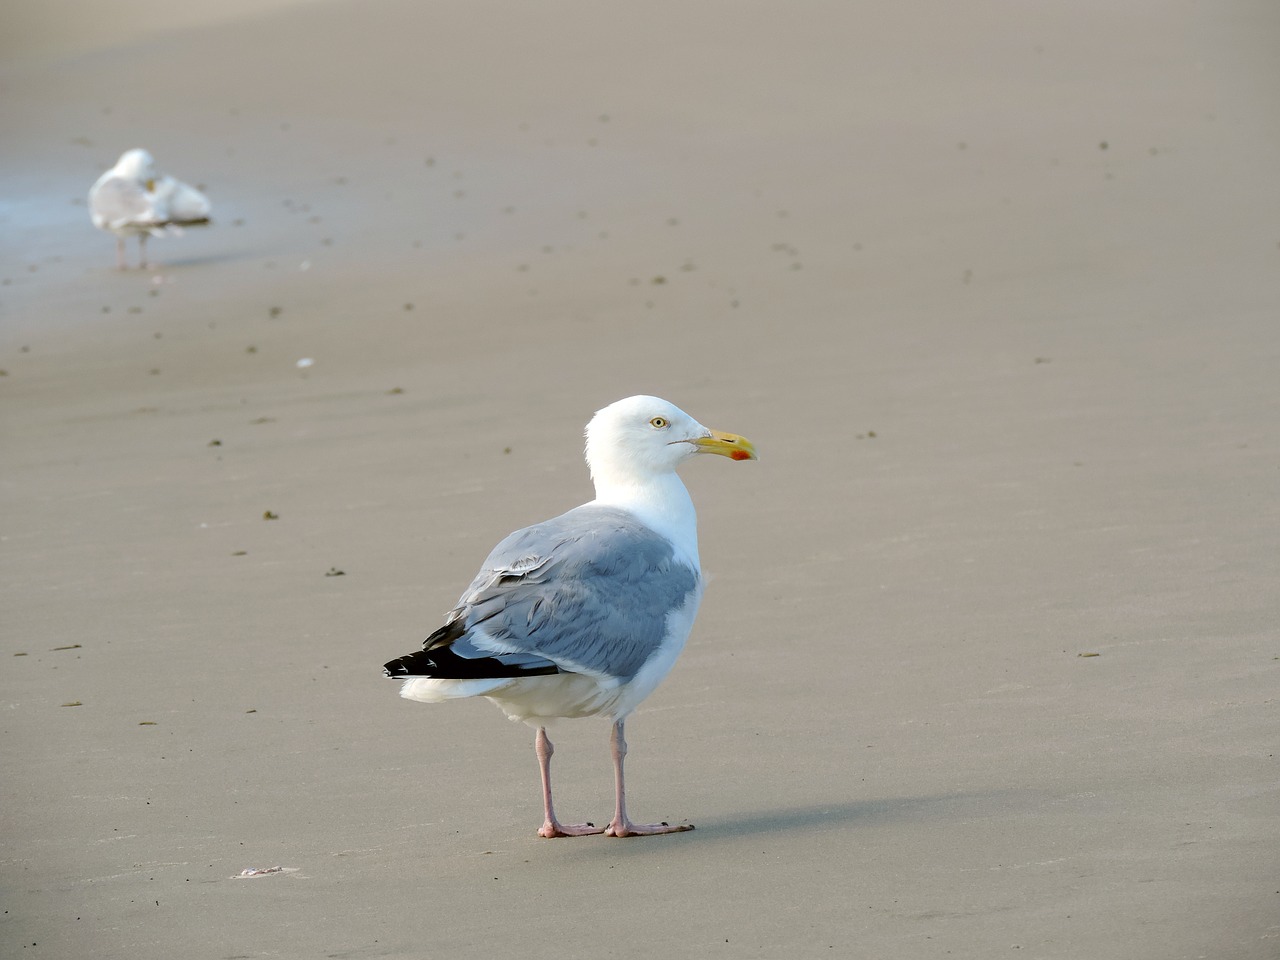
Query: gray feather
x: 590, y: 589
x: 117, y: 201
x: 183, y: 203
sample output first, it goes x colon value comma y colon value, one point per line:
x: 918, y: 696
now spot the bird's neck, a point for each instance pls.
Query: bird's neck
x: 661, y: 502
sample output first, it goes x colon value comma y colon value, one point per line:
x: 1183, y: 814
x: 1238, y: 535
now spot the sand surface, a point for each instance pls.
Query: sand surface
x: 988, y: 663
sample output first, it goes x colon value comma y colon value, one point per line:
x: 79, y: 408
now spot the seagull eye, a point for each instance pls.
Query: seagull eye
x: 659, y: 423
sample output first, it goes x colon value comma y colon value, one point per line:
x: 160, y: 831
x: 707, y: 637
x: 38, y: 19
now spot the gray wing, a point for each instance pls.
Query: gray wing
x: 587, y: 591
x: 117, y: 201
x: 183, y: 203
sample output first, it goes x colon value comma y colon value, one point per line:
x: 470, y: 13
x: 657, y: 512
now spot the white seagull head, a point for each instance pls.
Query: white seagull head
x: 642, y: 438
x: 136, y: 164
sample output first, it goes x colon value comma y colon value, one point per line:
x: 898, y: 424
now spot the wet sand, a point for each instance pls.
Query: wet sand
x: 987, y: 663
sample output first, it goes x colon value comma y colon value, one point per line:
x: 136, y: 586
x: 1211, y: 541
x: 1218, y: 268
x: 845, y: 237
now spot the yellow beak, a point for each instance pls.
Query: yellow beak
x: 726, y: 445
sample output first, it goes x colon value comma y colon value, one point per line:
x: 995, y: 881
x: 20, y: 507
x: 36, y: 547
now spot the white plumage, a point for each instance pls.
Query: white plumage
x: 584, y: 614
x: 133, y: 200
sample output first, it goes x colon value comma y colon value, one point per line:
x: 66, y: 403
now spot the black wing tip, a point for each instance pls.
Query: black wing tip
x: 442, y: 663
x: 418, y: 664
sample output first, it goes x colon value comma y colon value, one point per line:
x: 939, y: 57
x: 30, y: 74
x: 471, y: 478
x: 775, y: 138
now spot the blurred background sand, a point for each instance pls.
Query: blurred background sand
x: 992, y: 286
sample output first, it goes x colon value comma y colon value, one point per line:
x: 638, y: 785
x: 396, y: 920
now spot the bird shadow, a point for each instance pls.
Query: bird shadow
x: 199, y: 260
x: 828, y: 817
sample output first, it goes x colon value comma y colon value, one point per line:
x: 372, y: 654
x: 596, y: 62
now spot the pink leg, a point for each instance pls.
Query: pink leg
x: 621, y: 826
x: 552, y: 827
x: 142, y: 251
x: 122, y: 262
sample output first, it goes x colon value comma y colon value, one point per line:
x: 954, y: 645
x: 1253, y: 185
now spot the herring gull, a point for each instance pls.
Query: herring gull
x: 584, y: 614
x: 133, y: 200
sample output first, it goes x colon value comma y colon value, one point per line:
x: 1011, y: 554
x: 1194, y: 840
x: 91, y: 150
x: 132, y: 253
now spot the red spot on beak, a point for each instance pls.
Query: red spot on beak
x: 740, y: 455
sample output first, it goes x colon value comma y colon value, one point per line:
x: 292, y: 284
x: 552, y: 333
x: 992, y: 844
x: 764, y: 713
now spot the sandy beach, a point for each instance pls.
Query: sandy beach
x: 987, y: 664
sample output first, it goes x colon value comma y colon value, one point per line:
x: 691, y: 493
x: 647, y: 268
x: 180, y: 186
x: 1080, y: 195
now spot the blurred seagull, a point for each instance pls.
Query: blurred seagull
x: 133, y: 200
x: 583, y: 615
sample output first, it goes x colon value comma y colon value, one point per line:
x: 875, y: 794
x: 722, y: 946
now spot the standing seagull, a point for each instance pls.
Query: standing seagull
x: 133, y: 200
x: 584, y: 615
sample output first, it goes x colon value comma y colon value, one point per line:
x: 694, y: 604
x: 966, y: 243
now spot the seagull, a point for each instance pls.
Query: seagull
x: 133, y: 200
x: 584, y: 614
